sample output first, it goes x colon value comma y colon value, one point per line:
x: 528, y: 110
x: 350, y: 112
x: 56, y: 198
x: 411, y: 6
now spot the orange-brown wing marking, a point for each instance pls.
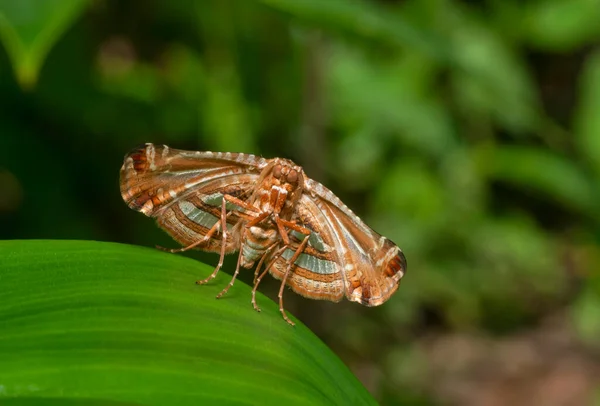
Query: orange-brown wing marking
x: 371, y: 265
x: 315, y: 274
x: 183, y: 190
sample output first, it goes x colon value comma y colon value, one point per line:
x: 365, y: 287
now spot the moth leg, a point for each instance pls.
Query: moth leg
x: 292, y: 225
x: 235, y: 274
x: 257, y: 219
x: 204, y: 239
x: 274, y: 258
x: 262, y: 259
x: 283, y: 224
x: 223, y: 243
x: 285, y: 276
x: 281, y: 229
x: 240, y: 203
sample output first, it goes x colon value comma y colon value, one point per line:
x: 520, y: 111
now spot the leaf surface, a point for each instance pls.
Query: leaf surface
x: 103, y: 321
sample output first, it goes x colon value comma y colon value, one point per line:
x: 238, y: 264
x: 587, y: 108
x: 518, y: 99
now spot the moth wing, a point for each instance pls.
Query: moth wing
x: 369, y: 265
x: 183, y: 190
x: 317, y: 272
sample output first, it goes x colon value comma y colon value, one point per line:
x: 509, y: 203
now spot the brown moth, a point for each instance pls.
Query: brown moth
x: 269, y: 211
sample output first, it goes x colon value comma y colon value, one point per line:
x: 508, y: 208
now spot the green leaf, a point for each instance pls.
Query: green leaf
x: 558, y: 25
x: 368, y: 20
x: 545, y: 173
x: 62, y: 402
x: 394, y: 97
x: 585, y: 312
x: 587, y: 119
x: 29, y: 29
x: 89, y: 320
x: 493, y: 79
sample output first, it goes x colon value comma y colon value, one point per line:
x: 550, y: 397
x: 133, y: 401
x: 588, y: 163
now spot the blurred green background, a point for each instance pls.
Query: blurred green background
x: 468, y: 132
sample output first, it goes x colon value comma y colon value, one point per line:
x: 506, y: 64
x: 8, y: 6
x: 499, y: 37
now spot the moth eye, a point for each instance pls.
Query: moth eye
x: 277, y: 171
x: 292, y: 177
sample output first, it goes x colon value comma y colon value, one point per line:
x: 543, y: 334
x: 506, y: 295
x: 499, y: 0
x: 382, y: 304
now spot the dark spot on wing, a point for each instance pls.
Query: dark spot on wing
x: 396, y: 264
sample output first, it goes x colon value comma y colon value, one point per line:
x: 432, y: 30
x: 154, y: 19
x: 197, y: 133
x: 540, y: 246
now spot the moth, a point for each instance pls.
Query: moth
x: 270, y: 212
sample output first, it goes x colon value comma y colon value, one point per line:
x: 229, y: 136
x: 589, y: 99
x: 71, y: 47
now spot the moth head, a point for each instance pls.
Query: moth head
x: 287, y: 175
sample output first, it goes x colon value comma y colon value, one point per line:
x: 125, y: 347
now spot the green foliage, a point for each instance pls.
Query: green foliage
x: 364, y: 19
x: 121, y: 323
x: 30, y: 28
x: 562, y: 25
x: 587, y: 120
x: 467, y: 132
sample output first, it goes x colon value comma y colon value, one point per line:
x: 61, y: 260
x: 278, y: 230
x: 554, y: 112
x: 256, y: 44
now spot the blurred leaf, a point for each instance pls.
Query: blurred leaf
x: 464, y: 185
x: 587, y: 114
x: 586, y: 315
x: 596, y: 401
x: 482, y: 271
x: 359, y: 158
x: 184, y: 72
x: 411, y: 189
x: 140, y: 83
x: 369, y: 20
x: 449, y: 287
x: 488, y: 75
x: 516, y: 255
x: 492, y: 79
x: 29, y: 29
x: 389, y: 99
x: 226, y: 118
x: 534, y: 169
x: 559, y: 25
x: 108, y: 321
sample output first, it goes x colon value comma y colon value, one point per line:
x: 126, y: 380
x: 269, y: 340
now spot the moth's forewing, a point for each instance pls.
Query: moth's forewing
x: 183, y: 190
